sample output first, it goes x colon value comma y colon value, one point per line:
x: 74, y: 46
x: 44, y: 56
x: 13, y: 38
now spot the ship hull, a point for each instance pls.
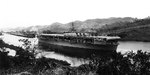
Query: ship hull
x: 80, y: 50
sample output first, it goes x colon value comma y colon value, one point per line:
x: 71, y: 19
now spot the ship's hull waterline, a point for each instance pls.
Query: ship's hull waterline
x: 74, y: 49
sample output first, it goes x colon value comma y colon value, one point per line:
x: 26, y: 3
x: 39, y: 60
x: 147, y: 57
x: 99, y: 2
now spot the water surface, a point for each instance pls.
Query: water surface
x: 123, y: 47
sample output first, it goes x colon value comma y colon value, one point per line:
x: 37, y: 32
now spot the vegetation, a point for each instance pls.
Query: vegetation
x: 137, y: 30
x: 24, y: 63
x: 129, y: 29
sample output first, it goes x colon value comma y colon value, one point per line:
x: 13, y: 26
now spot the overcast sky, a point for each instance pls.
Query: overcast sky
x: 15, y: 13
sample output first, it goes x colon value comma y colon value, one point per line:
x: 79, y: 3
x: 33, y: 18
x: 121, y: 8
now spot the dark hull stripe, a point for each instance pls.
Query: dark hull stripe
x: 82, y: 50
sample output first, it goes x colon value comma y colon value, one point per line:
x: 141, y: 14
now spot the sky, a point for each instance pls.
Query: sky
x: 24, y: 13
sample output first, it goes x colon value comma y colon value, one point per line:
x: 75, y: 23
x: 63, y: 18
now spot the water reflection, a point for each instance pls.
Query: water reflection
x: 11, y: 52
x: 14, y: 40
x: 125, y: 46
x: 72, y: 60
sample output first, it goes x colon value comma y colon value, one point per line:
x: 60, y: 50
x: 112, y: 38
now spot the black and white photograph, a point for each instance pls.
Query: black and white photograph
x: 74, y: 37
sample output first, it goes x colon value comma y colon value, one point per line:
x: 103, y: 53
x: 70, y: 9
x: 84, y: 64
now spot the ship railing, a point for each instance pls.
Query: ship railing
x: 71, y: 39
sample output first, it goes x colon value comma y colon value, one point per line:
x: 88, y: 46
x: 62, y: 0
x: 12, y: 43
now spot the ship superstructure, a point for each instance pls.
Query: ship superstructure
x: 78, y: 43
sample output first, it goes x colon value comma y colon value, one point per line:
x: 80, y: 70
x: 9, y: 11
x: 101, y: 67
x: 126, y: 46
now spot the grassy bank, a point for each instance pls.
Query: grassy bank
x: 24, y: 63
x: 137, y: 30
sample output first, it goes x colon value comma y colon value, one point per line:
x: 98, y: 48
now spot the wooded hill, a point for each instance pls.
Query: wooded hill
x: 129, y: 29
x: 138, y: 30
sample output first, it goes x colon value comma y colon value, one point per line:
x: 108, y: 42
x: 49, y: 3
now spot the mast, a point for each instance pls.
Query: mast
x: 72, y: 29
x: 107, y: 29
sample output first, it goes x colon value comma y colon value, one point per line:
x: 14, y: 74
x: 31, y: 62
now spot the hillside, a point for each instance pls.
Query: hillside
x: 79, y: 25
x: 129, y: 31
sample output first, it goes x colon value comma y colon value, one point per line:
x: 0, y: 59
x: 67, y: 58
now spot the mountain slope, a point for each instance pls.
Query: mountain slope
x: 139, y: 30
x: 79, y: 25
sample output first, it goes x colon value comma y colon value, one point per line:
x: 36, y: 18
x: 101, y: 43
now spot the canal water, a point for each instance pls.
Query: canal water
x: 124, y: 46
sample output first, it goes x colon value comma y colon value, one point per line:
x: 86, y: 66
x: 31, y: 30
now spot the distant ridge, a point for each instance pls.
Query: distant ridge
x: 129, y: 29
x: 79, y: 25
